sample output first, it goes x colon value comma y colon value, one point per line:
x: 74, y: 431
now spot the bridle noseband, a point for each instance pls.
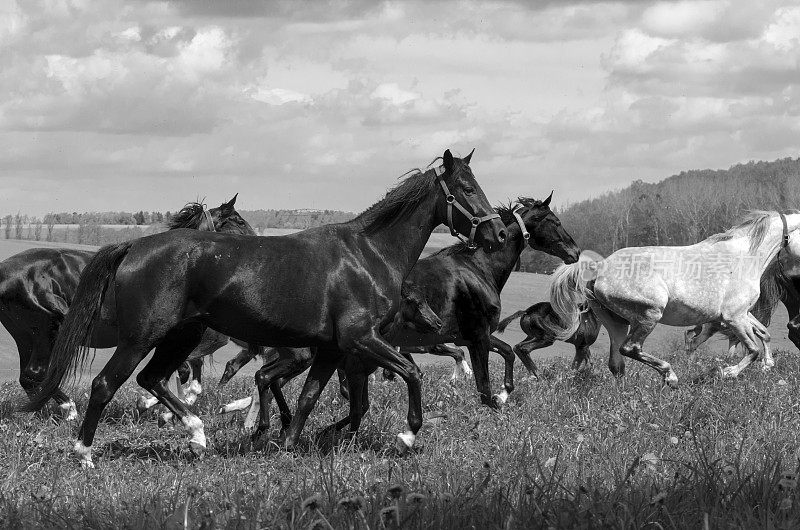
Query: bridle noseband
x: 525, y: 235
x: 451, y: 201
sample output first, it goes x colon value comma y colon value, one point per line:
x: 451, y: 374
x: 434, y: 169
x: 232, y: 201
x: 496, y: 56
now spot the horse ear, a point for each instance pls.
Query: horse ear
x: 447, y: 160
x: 468, y: 157
x: 547, y: 200
x: 227, y: 207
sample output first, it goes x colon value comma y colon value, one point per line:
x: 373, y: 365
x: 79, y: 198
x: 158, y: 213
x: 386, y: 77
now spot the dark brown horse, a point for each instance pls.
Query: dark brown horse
x: 37, y: 287
x: 332, y: 287
x: 463, y: 287
x: 537, y: 322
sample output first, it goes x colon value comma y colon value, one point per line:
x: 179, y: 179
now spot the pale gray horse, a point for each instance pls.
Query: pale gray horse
x: 776, y: 285
x: 715, y: 280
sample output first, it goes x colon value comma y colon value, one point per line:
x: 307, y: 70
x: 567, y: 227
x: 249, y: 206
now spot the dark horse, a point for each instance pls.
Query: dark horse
x: 37, y: 287
x: 537, y: 322
x: 463, y: 287
x: 333, y: 287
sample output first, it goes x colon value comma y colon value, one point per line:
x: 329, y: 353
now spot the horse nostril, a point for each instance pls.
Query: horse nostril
x: 501, y: 236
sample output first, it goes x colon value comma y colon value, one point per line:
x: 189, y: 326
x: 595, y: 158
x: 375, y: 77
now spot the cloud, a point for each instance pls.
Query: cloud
x: 325, y: 104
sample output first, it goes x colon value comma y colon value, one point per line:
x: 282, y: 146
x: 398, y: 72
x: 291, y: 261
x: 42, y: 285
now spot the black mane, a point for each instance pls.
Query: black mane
x: 190, y: 216
x: 399, y: 202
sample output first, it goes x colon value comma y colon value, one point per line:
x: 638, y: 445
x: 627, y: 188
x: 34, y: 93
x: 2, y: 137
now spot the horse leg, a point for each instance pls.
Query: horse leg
x: 767, y: 361
x: 454, y: 352
x: 617, y: 329
x: 706, y: 332
x: 507, y: 353
x: 323, y: 365
x: 479, y: 357
x: 794, y: 330
x: 632, y: 347
x: 743, y: 328
x: 244, y: 356
x: 582, y: 356
x: 169, y: 355
x: 372, y: 347
x: 290, y: 361
x: 116, y: 371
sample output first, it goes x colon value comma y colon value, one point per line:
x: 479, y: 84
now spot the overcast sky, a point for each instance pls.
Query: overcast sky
x: 128, y: 105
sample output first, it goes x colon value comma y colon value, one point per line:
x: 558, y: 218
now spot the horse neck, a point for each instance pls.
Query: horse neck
x: 402, y: 243
x: 501, y: 263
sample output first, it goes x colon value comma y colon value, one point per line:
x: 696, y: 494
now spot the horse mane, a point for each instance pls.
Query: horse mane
x: 773, y: 284
x: 399, y: 202
x: 190, y: 216
x: 755, y: 224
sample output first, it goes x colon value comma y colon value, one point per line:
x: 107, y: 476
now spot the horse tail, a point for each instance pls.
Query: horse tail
x: 503, y: 324
x: 71, y: 347
x: 568, y: 292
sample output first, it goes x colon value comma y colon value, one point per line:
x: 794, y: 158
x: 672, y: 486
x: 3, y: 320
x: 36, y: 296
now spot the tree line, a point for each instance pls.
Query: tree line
x: 680, y: 210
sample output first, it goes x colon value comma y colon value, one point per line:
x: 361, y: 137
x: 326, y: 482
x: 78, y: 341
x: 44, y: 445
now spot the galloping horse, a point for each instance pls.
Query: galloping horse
x: 779, y: 283
x: 333, y: 287
x: 462, y: 286
x: 37, y: 287
x: 716, y: 280
x: 538, y: 321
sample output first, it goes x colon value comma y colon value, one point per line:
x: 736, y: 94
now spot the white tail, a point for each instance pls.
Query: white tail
x: 567, y: 293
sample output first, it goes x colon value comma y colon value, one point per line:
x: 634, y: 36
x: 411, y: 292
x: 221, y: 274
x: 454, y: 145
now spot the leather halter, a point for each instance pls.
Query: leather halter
x: 210, y: 220
x: 785, y: 231
x: 525, y: 235
x: 451, y: 201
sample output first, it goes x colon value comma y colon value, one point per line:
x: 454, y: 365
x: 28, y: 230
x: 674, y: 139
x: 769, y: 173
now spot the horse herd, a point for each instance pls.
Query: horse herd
x: 356, y: 297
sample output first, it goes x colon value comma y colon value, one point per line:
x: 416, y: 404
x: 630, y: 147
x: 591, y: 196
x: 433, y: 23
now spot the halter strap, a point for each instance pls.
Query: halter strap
x: 785, y: 230
x: 525, y: 234
x: 451, y: 202
x: 209, y: 219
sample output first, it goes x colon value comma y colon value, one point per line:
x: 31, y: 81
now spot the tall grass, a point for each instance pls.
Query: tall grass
x: 568, y: 451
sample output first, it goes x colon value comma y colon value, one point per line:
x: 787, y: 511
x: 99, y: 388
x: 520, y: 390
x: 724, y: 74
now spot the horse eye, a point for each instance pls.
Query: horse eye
x: 469, y: 189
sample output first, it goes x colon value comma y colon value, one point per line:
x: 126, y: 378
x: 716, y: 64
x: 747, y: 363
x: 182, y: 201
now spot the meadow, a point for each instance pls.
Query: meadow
x: 569, y: 450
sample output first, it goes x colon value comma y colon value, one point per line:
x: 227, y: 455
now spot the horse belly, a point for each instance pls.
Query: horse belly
x: 681, y: 314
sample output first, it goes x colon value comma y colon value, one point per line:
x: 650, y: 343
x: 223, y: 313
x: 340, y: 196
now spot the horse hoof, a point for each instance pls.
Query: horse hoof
x: 142, y: 404
x: 258, y: 433
x: 86, y: 464
x: 500, y: 399
x: 69, y: 411
x: 671, y: 381
x: 404, y: 442
x: 197, y: 449
x: 728, y: 372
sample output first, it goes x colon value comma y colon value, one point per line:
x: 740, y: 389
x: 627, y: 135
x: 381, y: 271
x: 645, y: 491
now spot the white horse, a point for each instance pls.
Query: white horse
x: 777, y: 285
x: 716, y: 280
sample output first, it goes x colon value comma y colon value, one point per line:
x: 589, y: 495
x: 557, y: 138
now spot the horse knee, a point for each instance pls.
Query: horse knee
x: 101, y: 393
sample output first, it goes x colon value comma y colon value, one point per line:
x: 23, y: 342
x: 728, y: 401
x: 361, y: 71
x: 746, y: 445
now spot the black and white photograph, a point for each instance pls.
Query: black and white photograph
x: 385, y: 264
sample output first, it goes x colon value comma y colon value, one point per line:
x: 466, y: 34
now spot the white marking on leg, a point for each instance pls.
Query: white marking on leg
x: 502, y: 397
x: 405, y: 441
x: 165, y: 418
x: 144, y: 402
x: 84, y: 455
x: 194, y: 426
x: 252, y: 414
x: 466, y: 369
x: 235, y: 406
x: 69, y: 410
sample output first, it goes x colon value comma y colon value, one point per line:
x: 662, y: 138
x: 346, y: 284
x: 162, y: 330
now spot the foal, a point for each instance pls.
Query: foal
x: 538, y: 321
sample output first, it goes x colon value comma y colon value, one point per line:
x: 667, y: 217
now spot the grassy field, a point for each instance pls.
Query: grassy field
x: 568, y: 451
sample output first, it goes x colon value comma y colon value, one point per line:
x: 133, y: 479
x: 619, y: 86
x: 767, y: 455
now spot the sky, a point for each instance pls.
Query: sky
x: 139, y: 105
